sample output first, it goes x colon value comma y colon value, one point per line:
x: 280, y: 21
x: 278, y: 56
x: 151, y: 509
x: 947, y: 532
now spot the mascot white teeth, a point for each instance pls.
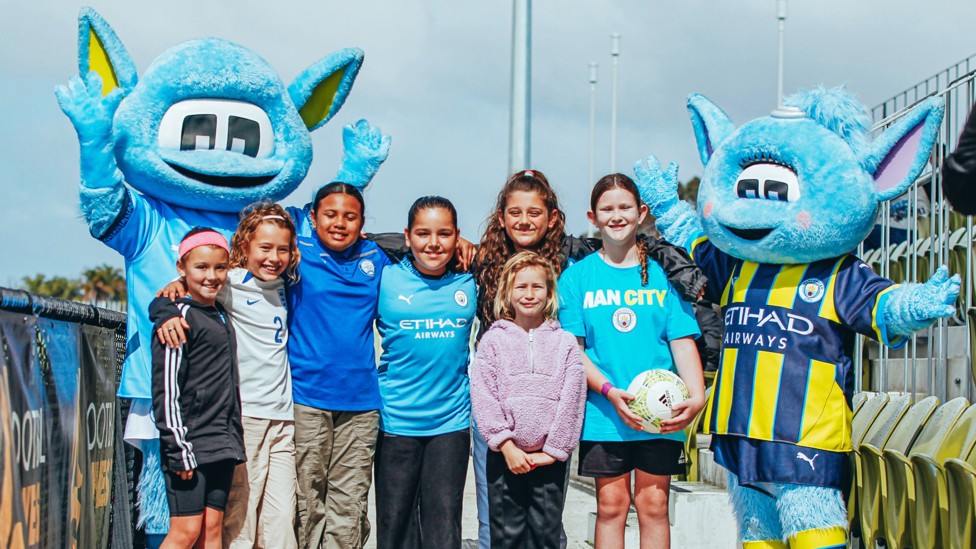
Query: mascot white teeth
x: 783, y: 202
x: 208, y: 129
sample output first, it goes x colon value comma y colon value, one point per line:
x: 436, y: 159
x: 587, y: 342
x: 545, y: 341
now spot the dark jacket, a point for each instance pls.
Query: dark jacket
x: 195, y: 389
x: 959, y: 170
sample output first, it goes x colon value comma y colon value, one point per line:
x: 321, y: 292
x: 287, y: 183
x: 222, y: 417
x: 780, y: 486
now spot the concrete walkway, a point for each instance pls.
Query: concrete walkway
x: 580, y: 501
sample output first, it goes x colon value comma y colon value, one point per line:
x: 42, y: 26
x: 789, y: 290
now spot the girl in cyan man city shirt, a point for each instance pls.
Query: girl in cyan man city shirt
x: 425, y: 314
x: 628, y: 319
x: 261, y: 505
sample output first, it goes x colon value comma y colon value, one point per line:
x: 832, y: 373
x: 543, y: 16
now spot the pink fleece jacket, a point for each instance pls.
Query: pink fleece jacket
x: 529, y: 387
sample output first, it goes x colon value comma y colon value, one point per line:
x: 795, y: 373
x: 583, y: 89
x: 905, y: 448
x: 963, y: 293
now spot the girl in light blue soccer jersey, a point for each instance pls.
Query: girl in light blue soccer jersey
x: 424, y: 316
x: 628, y: 319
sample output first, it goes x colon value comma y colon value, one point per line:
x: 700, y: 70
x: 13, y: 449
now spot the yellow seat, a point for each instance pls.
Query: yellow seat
x: 858, y: 401
x: 871, y: 472
x: 961, y: 482
x: 691, y: 443
x: 860, y: 424
x: 931, y: 493
x: 898, y: 499
x: 971, y: 325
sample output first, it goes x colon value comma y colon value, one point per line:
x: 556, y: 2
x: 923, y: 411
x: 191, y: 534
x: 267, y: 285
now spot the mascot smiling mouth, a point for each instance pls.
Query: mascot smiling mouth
x: 749, y: 234
x: 234, y: 181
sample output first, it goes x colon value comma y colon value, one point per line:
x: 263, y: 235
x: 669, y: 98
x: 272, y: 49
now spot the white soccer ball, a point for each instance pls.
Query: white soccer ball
x: 656, y: 392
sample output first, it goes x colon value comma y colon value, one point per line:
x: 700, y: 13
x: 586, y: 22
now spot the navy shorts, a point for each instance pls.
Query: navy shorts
x: 207, y: 488
x: 658, y: 456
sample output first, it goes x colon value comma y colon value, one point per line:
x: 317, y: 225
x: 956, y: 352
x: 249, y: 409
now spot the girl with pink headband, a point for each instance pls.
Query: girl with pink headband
x: 195, y: 397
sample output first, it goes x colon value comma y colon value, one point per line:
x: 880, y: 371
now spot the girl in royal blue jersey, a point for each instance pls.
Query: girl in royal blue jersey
x: 628, y: 319
x: 333, y: 364
x: 261, y: 505
x: 425, y: 313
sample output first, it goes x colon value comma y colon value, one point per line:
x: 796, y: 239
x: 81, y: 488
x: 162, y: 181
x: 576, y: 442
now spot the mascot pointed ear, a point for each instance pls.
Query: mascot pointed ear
x: 711, y: 125
x: 100, y: 50
x: 318, y: 93
x: 898, y: 155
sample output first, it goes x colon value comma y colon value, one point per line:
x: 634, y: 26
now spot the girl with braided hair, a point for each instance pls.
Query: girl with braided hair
x: 628, y: 318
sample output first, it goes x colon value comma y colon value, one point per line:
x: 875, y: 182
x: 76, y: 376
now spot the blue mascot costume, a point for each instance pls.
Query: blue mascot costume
x: 782, y: 203
x: 208, y: 129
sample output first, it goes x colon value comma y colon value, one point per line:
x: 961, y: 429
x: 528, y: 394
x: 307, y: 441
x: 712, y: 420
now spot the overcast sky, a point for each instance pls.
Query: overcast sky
x: 437, y: 78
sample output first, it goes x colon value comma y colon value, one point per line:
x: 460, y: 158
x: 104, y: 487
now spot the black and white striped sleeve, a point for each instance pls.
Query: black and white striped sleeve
x: 169, y: 375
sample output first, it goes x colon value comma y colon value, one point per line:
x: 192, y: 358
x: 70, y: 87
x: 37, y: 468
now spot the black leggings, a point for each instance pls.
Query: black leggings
x: 419, y: 490
x: 525, y: 511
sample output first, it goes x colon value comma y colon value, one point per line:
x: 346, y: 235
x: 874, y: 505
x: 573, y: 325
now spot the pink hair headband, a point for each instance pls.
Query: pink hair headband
x: 204, y: 238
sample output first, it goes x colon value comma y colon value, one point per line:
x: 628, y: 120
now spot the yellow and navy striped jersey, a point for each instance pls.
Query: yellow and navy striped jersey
x: 785, y: 374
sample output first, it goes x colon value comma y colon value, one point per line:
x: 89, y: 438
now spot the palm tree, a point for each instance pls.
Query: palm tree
x: 58, y: 286
x: 103, y: 283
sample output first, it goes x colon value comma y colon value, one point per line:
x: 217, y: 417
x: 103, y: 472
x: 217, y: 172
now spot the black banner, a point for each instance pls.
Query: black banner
x: 58, y: 429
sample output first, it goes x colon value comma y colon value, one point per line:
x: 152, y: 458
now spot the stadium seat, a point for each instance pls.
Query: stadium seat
x: 971, y: 325
x: 898, y: 499
x: 871, y: 473
x: 859, y: 400
x: 691, y: 443
x: 961, y: 482
x: 877, y: 433
x: 862, y: 421
x: 896, y: 263
x: 931, y: 494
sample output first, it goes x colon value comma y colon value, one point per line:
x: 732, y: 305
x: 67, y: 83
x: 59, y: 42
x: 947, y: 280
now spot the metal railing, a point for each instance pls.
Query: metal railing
x: 923, y: 235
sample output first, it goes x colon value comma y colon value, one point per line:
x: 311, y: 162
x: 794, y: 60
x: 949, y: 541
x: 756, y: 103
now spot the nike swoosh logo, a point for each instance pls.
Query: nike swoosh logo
x: 249, y: 302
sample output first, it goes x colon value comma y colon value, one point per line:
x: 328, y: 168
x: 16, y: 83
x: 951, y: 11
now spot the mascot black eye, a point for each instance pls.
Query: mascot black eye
x: 199, y: 132
x: 747, y: 188
x: 776, y: 190
x: 243, y: 136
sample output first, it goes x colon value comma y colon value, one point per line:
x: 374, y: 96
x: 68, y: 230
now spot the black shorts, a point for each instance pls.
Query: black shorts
x: 656, y: 456
x: 207, y: 488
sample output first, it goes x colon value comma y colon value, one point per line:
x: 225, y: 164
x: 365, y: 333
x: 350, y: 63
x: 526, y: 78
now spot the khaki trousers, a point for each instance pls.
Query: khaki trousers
x: 261, y: 506
x: 334, y: 453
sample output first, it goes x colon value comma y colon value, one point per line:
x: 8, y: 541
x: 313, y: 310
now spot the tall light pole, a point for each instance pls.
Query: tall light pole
x: 520, y: 111
x: 614, y: 55
x: 781, y: 15
x: 593, y: 67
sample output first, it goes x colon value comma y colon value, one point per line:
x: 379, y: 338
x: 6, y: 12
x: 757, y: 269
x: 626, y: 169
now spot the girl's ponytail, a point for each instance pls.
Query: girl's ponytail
x: 643, y: 251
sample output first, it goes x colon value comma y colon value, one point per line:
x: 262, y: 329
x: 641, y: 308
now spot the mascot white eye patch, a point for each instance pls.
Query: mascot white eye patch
x: 221, y: 124
x: 768, y: 181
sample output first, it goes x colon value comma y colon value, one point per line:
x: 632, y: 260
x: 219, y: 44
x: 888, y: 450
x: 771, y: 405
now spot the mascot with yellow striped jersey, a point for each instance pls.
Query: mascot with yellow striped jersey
x: 782, y: 203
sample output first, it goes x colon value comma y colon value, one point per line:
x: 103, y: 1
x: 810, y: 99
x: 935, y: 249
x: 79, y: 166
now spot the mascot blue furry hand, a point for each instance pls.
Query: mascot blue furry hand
x: 782, y: 203
x: 208, y: 129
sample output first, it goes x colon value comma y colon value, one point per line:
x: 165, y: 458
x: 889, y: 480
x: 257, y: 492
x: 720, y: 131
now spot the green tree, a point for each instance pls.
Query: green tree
x: 103, y: 283
x: 689, y: 191
x: 58, y: 286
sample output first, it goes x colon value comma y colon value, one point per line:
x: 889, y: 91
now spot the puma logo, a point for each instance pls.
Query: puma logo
x: 801, y: 455
x: 407, y: 299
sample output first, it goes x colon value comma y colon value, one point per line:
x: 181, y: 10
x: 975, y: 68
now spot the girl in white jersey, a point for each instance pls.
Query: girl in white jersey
x: 261, y: 506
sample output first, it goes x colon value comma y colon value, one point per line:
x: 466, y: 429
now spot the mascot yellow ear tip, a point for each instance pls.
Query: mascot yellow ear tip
x: 100, y: 50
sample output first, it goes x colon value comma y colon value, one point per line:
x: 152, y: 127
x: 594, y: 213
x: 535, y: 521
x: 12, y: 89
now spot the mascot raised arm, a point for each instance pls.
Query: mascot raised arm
x: 208, y: 129
x: 782, y: 203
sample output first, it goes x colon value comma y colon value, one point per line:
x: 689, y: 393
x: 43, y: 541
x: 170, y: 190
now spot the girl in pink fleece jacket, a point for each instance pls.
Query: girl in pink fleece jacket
x: 528, y: 390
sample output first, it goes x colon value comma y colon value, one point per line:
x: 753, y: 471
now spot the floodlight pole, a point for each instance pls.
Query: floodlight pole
x: 593, y: 67
x: 781, y: 15
x: 520, y: 111
x: 614, y: 55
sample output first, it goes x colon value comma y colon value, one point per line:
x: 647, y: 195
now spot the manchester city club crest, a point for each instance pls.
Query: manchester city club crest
x: 811, y: 290
x: 624, y: 319
x: 367, y: 267
x: 461, y: 298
